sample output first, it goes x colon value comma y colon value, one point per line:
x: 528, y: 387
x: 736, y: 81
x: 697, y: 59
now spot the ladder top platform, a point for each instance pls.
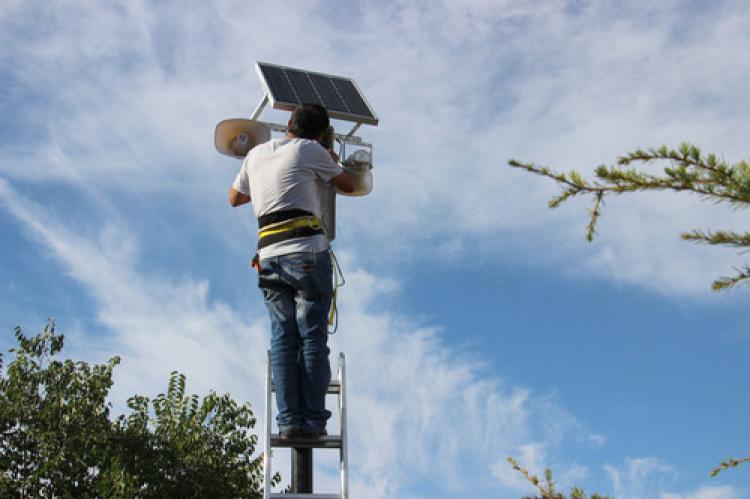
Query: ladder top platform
x: 326, y: 442
x: 304, y: 496
x: 333, y: 387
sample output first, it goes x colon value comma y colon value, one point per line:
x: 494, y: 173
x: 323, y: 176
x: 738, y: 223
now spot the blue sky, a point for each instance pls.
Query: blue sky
x: 477, y: 323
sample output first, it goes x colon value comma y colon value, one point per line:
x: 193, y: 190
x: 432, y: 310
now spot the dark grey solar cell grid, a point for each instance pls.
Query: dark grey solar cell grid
x: 351, y: 96
x: 303, y: 87
x: 328, y: 94
x: 277, y: 81
x: 289, y: 88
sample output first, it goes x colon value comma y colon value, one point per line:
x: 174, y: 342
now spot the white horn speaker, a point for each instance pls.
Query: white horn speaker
x: 237, y: 136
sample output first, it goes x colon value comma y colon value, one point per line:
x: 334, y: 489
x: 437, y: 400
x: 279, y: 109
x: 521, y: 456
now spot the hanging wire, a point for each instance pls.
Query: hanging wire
x: 338, y: 281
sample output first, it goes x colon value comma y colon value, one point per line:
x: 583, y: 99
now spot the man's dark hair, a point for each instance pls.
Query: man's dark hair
x: 309, y: 121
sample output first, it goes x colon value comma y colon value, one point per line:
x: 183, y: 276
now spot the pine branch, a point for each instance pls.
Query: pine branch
x: 547, y: 489
x: 719, y: 237
x: 723, y: 238
x: 734, y: 176
x: 729, y: 463
x: 726, y: 283
x: 595, y: 213
x: 688, y: 170
x: 533, y: 479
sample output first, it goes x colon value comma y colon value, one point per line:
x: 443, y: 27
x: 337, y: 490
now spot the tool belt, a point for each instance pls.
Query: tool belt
x: 287, y: 224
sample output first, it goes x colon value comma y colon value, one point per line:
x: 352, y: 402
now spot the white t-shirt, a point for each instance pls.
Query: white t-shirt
x: 284, y: 174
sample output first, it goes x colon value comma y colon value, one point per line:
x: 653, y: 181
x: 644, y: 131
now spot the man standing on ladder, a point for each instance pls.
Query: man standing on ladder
x: 284, y: 178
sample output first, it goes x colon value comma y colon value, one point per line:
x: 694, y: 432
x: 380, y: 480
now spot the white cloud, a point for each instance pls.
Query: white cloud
x: 651, y: 477
x: 639, y: 477
x: 706, y: 492
x: 569, y: 90
x: 435, y: 416
x: 597, y: 439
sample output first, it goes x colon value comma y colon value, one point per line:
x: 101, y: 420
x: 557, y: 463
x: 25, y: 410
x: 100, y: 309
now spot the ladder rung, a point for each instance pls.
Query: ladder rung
x: 304, y: 496
x: 327, y: 442
x: 333, y: 387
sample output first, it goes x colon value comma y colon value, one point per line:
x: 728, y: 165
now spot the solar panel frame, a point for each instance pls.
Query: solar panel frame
x: 287, y: 88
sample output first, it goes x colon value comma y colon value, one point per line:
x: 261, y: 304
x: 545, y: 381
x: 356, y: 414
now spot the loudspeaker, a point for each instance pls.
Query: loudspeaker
x: 237, y: 136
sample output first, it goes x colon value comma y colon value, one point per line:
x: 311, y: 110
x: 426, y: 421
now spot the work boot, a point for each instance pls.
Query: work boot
x: 292, y: 433
x: 314, y: 433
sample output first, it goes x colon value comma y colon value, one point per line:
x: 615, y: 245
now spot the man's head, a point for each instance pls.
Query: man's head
x: 309, y: 121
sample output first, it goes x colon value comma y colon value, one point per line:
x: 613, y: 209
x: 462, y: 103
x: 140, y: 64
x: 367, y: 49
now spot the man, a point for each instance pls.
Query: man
x: 283, y: 178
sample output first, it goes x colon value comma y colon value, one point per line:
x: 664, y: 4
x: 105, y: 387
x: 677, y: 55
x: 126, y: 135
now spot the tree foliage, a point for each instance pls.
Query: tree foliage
x: 57, y: 438
x: 54, y: 421
x: 687, y: 170
x: 546, y: 487
x: 729, y: 463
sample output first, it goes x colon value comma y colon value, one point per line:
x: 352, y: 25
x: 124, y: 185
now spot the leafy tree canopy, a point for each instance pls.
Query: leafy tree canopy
x: 58, y: 440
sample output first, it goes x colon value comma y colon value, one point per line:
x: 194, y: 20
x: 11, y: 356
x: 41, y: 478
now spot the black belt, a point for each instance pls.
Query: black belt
x: 286, y: 224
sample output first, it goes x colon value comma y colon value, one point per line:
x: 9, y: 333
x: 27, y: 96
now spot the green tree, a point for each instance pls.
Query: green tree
x: 57, y: 438
x: 687, y: 170
x: 54, y: 420
x: 180, y: 446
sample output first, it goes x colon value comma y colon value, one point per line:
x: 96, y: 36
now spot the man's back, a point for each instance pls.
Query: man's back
x: 285, y: 174
x: 289, y: 173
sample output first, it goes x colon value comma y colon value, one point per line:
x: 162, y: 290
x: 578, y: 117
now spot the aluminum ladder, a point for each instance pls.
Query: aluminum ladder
x: 307, y: 445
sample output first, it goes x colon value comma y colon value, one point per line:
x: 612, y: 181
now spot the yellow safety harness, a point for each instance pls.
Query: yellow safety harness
x: 289, y: 225
x: 286, y: 224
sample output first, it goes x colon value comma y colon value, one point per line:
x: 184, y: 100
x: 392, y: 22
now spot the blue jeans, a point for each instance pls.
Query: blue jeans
x: 297, y: 289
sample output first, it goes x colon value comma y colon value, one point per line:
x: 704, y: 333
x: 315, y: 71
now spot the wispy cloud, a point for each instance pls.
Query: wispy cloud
x: 652, y: 477
x: 639, y: 477
x: 706, y: 492
x: 432, y: 411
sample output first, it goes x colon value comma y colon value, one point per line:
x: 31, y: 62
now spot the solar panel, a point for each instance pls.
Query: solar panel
x: 288, y: 88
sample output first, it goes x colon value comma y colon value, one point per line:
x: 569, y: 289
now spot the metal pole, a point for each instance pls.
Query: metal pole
x: 259, y: 107
x: 267, y: 443
x: 344, y: 429
x: 302, y: 470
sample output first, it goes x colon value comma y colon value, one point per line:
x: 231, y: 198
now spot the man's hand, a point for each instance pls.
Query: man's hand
x: 236, y: 198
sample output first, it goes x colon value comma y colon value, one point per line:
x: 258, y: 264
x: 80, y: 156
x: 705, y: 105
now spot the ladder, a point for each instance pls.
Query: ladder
x: 302, y: 449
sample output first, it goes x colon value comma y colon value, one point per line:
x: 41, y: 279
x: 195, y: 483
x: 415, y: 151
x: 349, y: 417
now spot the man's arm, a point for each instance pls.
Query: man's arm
x: 236, y: 198
x: 344, y: 182
x: 328, y: 162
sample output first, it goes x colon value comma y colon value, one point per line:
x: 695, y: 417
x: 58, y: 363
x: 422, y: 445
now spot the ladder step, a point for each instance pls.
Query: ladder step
x: 333, y: 387
x: 305, y: 496
x: 327, y: 442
